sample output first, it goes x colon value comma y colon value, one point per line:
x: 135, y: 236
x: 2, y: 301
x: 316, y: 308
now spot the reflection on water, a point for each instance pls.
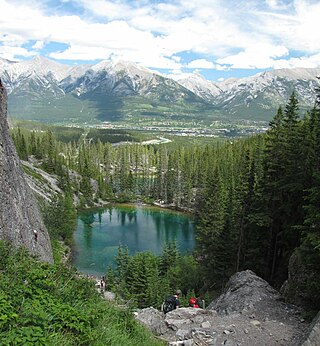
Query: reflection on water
x: 99, y: 233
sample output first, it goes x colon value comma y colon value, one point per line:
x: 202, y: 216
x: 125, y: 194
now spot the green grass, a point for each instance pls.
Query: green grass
x: 32, y: 173
x: 43, y: 304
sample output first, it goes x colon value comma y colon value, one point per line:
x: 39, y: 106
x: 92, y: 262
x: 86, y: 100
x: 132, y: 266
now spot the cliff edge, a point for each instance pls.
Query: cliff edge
x: 20, y: 219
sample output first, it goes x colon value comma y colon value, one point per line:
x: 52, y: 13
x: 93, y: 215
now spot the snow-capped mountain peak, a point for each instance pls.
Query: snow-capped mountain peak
x: 127, y: 67
x: 4, y: 63
x: 295, y: 73
x: 200, y: 86
x: 39, y: 66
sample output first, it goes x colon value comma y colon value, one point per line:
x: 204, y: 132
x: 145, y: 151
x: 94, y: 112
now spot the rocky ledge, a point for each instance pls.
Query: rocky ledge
x: 248, y: 313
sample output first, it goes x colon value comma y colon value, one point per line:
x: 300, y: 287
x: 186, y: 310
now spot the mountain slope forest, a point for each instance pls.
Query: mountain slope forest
x: 256, y: 199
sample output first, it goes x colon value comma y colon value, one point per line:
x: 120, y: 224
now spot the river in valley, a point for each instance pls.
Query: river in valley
x: 100, y: 231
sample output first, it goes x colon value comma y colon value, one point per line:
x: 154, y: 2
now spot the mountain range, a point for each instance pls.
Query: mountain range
x: 44, y: 90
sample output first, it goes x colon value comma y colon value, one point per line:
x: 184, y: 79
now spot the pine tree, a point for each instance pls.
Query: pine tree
x: 291, y: 181
x: 122, y: 261
x: 273, y: 194
x: 243, y: 199
x: 49, y: 147
x: 68, y: 217
x: 33, y: 144
x: 21, y: 145
x: 140, y: 278
x: 85, y: 181
x: 310, y: 248
x: 168, y: 258
x: 211, y: 226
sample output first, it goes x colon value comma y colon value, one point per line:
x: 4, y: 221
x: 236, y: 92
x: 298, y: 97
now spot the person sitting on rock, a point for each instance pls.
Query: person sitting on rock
x: 193, y: 303
x: 172, y: 302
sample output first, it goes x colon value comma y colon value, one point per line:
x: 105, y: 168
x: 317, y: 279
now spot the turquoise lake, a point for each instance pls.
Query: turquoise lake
x: 141, y: 228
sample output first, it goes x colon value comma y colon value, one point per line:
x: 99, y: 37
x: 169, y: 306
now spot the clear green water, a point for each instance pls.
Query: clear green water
x: 100, y: 231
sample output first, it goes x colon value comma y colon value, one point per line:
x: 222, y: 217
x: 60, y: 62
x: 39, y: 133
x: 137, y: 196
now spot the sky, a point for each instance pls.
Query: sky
x: 218, y: 39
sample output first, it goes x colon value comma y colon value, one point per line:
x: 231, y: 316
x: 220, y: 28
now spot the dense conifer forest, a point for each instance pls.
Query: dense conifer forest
x: 256, y: 200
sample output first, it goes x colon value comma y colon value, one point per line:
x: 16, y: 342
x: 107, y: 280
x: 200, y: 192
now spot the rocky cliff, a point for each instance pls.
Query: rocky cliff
x: 20, y: 218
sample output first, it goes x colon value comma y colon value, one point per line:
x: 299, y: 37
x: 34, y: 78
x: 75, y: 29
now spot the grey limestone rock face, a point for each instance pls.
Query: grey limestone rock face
x: 153, y: 319
x: 20, y: 220
x: 312, y: 337
x: 245, y: 292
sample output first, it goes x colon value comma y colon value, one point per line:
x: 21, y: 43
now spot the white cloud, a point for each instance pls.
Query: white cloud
x: 312, y: 61
x: 214, y: 33
x: 38, y: 45
x: 200, y: 63
x: 108, y: 9
x: 276, y: 4
x: 76, y: 52
x: 11, y: 52
x: 297, y: 29
x: 258, y: 56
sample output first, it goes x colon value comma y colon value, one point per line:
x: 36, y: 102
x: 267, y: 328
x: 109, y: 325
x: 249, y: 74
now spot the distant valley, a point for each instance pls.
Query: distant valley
x: 125, y: 94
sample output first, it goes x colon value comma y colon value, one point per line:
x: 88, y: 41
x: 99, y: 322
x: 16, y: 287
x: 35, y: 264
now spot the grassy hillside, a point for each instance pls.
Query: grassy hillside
x: 49, y: 109
x: 42, y: 304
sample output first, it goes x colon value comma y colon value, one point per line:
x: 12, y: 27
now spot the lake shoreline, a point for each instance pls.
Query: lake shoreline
x: 140, y: 226
x: 156, y: 204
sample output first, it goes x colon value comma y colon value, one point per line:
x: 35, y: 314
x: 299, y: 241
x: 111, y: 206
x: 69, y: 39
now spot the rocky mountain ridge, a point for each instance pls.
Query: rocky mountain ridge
x: 42, y: 89
x: 260, y: 93
x: 47, y: 91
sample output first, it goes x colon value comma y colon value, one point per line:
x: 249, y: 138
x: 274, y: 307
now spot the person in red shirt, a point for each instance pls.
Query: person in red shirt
x: 193, y: 302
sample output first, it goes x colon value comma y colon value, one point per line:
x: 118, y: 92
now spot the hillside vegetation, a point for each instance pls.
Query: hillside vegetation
x: 43, y: 304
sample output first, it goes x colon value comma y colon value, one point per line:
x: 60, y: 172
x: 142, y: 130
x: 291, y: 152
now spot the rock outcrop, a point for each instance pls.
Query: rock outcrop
x: 20, y: 219
x: 300, y: 275
x: 312, y: 337
x: 247, y: 293
x: 249, y: 312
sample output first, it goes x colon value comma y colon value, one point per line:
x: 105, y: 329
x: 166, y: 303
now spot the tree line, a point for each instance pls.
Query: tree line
x: 91, y: 169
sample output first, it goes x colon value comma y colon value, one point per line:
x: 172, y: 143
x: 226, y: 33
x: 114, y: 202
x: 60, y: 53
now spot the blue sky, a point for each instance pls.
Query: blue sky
x: 216, y: 38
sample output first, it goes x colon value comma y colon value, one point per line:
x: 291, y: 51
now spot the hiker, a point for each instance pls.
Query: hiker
x: 102, y: 285
x: 35, y: 233
x: 193, y: 303
x: 171, y: 302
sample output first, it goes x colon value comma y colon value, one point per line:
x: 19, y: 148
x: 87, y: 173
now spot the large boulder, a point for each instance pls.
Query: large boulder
x: 247, y: 293
x: 153, y: 319
x: 243, y: 292
x: 20, y: 219
x: 295, y: 289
